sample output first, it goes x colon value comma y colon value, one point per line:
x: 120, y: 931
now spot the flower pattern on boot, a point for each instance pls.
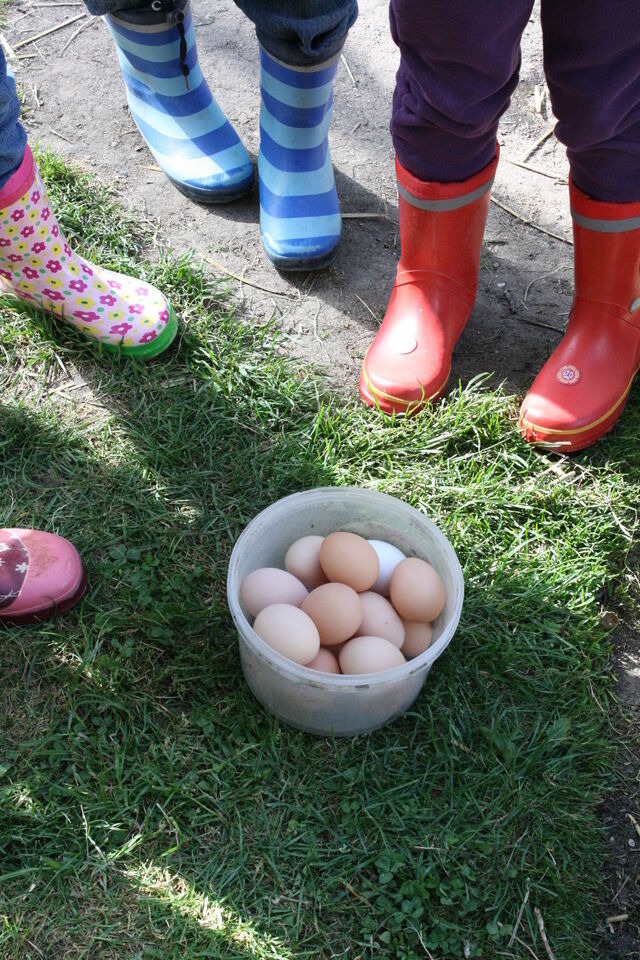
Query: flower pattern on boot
x: 39, y: 267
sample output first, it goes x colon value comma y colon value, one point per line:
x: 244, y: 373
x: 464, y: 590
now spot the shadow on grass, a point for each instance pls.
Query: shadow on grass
x: 155, y: 538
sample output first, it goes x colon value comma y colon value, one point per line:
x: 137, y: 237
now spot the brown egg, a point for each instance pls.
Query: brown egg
x: 303, y: 561
x: 416, y: 590
x: 325, y: 661
x: 369, y: 655
x: 417, y: 638
x: 268, y: 585
x: 379, y: 619
x: 348, y: 558
x: 336, y: 611
x: 289, y: 631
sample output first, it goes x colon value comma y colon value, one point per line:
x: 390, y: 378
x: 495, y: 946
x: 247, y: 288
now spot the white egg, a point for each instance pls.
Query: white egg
x: 389, y: 557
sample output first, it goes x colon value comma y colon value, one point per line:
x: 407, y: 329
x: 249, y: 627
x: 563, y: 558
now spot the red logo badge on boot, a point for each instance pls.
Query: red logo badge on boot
x: 568, y: 374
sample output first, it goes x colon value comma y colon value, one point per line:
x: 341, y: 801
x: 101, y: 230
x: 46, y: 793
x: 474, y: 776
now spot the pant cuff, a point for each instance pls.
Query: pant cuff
x: 292, y: 56
x: 18, y: 182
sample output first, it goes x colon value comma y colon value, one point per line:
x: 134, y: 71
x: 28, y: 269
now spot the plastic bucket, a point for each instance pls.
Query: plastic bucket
x: 321, y: 703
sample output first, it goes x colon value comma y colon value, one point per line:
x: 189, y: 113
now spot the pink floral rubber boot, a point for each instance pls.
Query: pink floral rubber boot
x: 39, y: 267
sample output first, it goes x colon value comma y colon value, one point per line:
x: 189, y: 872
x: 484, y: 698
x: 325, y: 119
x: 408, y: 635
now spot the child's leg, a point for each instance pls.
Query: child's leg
x: 592, y: 59
x: 300, y: 41
x: 592, y: 62
x: 38, y: 267
x: 13, y: 139
x: 459, y: 66
x: 171, y: 103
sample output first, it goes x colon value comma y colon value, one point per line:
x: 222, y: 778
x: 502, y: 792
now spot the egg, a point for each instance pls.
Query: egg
x: 369, y: 655
x: 336, y: 611
x: 325, y: 661
x: 348, y: 558
x: 268, y: 585
x: 303, y: 561
x: 416, y: 590
x: 417, y: 638
x: 289, y: 631
x: 388, y: 557
x: 379, y: 619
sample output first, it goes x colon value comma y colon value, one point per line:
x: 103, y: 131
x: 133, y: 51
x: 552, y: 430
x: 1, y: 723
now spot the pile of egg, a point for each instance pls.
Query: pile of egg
x: 344, y: 604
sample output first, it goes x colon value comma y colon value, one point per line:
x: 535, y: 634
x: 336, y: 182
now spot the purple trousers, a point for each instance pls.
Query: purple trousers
x: 459, y: 66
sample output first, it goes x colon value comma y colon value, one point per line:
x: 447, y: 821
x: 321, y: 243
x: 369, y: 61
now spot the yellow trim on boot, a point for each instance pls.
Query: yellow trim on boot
x: 422, y: 401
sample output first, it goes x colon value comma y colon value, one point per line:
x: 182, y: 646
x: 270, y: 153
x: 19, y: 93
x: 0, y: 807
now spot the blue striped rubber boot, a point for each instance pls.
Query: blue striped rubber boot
x: 172, y: 105
x: 299, y: 212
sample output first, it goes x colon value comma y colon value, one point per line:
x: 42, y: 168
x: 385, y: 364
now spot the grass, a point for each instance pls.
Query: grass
x: 149, y: 807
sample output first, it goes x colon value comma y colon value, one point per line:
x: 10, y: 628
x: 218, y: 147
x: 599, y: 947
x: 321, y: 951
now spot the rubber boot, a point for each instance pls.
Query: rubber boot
x: 39, y: 267
x: 172, y: 105
x: 41, y: 575
x: 581, y: 391
x: 441, y: 229
x: 300, y: 219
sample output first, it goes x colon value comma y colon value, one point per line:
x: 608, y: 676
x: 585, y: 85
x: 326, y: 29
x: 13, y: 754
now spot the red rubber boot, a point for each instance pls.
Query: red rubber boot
x: 441, y: 228
x: 581, y: 391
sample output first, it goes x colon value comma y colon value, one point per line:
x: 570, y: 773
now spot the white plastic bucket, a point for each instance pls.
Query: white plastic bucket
x: 322, y: 703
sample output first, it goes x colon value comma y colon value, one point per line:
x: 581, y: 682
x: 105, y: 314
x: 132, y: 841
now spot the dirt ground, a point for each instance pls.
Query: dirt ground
x: 75, y: 103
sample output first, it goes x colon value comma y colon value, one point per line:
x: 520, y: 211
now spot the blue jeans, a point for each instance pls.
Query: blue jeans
x: 299, y: 32
x: 13, y: 139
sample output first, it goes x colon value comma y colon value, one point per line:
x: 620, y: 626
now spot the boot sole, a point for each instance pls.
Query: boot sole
x: 299, y: 264
x: 211, y: 198
x: 146, y: 351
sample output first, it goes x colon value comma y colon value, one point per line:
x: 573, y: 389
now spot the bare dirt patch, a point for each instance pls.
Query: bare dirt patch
x: 76, y: 104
